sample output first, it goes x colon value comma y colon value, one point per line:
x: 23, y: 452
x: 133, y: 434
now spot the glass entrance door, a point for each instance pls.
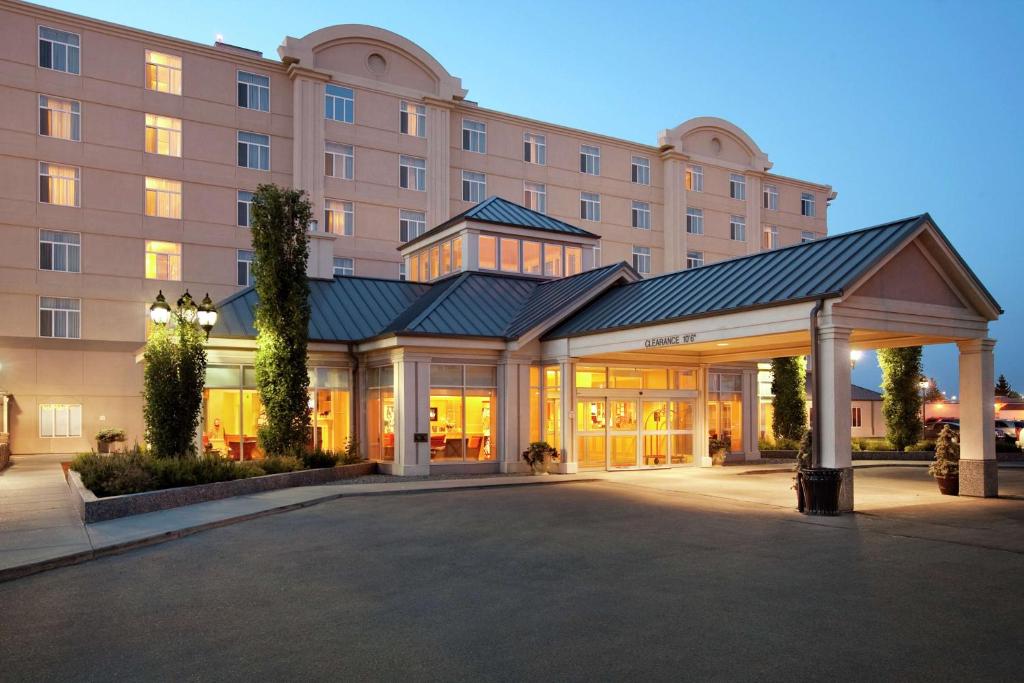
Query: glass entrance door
x: 618, y: 433
x: 622, y: 433
x: 591, y: 425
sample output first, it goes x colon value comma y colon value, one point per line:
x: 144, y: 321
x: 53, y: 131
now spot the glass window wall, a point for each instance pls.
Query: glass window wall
x: 463, y: 413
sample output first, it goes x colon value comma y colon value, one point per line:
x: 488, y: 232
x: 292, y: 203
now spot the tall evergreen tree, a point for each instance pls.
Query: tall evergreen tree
x: 1003, y: 387
x: 932, y: 393
x: 901, y: 394
x: 789, y: 398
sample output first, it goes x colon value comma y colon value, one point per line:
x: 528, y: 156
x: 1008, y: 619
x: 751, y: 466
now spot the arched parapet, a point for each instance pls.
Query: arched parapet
x: 710, y: 137
x: 372, y: 56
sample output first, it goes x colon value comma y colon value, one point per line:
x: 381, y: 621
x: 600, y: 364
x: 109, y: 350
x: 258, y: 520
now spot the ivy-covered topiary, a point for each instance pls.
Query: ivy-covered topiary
x: 789, y: 398
x: 947, y: 455
x: 901, y: 397
x: 280, y: 241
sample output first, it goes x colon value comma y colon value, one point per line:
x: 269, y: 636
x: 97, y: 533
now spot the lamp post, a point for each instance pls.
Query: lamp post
x: 855, y: 355
x: 205, y: 314
x: 923, y: 384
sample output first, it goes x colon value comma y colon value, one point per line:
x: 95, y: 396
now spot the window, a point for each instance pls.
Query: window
x: 474, y: 186
x: 59, y: 184
x: 573, y: 260
x: 771, y: 197
x: 474, y: 136
x: 590, y: 206
x: 412, y: 173
x: 725, y: 408
x: 344, y: 267
x: 457, y: 254
x: 60, y: 118
x: 60, y: 251
x: 163, y: 135
x: 509, y: 255
x: 339, y: 161
x: 488, y: 252
x: 163, y: 198
x: 411, y: 224
x: 694, y: 259
x: 59, y: 420
x: 695, y: 178
x: 535, y: 149
x: 60, y: 318
x: 163, y: 260
x: 339, y: 103
x: 770, y: 237
x: 641, y: 215
x: 597, y: 255
x: 339, y: 217
x: 856, y: 417
x: 737, y: 186
x: 738, y: 228
x: 254, y: 151
x: 553, y: 260
x: 694, y: 221
x: 642, y: 260
x: 590, y: 160
x: 463, y: 413
x: 535, y: 196
x: 244, y: 208
x: 640, y: 171
x: 401, y: 271
x: 163, y: 72
x: 806, y: 204
x: 245, y: 259
x: 380, y: 412
x: 531, y: 258
x: 253, y: 91
x: 807, y: 236
x: 59, y: 50
x: 412, y: 119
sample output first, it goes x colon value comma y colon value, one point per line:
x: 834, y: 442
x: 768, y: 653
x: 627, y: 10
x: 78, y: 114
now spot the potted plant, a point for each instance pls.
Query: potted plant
x: 106, y: 438
x: 538, y: 454
x: 716, y: 449
x: 946, y: 467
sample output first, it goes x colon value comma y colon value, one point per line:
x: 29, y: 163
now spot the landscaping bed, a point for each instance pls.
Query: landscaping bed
x: 94, y: 509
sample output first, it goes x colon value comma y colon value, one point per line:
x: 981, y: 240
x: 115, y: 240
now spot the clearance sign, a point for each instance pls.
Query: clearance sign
x: 670, y: 340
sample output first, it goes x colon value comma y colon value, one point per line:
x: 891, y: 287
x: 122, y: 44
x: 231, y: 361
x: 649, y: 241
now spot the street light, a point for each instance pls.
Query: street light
x: 855, y: 355
x: 207, y: 315
x: 924, y: 384
x: 187, y: 307
x: 160, y: 312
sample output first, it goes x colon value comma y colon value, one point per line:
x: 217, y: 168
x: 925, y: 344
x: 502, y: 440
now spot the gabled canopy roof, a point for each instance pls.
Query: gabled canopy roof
x: 498, y: 211
x: 821, y: 269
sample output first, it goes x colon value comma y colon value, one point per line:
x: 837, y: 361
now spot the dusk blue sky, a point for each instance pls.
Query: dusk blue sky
x: 902, y: 107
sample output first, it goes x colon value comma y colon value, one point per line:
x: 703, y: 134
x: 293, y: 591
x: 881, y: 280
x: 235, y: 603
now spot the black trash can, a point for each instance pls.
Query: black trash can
x: 820, y: 487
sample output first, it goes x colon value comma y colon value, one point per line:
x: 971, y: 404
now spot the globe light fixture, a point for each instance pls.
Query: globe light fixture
x: 207, y: 314
x: 160, y: 311
x: 187, y: 307
x: 855, y: 355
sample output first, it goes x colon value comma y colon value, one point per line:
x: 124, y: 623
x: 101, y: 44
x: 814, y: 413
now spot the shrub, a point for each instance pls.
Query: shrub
x: 789, y: 398
x: 539, y: 451
x: 947, y: 455
x: 350, y: 456
x: 110, y: 435
x: 318, y: 458
x: 901, y: 398
x: 779, y: 445
x: 281, y: 463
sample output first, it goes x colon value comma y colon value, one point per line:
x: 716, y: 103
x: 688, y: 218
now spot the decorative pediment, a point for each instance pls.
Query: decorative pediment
x: 709, y: 137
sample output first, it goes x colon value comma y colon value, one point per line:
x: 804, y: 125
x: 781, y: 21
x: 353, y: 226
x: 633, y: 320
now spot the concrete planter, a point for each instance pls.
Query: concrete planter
x: 93, y: 509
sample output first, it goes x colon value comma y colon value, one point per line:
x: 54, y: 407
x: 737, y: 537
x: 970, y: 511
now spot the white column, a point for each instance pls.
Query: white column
x: 754, y: 204
x: 510, y: 405
x: 412, y: 387
x: 751, y: 408
x: 701, y: 429
x: 979, y: 473
x: 438, y: 163
x: 307, y: 161
x: 674, y: 167
x: 833, y: 406
x: 568, y: 463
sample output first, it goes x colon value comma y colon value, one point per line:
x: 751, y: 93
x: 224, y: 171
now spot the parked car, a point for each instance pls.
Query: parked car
x: 933, y: 427
x: 1020, y: 433
x: 1006, y: 430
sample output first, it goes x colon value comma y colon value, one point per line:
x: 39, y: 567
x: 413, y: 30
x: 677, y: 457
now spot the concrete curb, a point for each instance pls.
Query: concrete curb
x: 20, y: 571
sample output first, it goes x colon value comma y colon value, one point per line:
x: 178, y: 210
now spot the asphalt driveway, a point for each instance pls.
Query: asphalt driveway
x: 579, y: 581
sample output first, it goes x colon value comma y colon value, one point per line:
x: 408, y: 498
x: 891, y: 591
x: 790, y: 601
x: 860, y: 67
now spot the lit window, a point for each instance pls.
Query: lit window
x: 163, y: 135
x: 641, y: 215
x: 806, y: 204
x: 590, y: 206
x: 807, y: 236
x: 424, y: 269
x: 244, y: 208
x: 642, y: 260
x: 412, y: 173
x: 531, y: 258
x: 60, y: 318
x: 694, y: 259
x: 457, y: 253
x: 344, y: 267
x: 59, y: 184
x: 60, y: 251
x: 553, y: 260
x: 737, y: 186
x: 488, y: 252
x: 60, y: 118
x: 573, y: 260
x: 771, y: 197
x: 411, y: 224
x: 339, y: 217
x: 535, y: 196
x: 244, y: 263
x: 60, y: 420
x: 694, y: 221
x: 435, y: 261
x: 695, y: 178
x: 738, y: 228
x: 59, y: 50
x: 163, y: 72
x: 640, y: 171
x: 446, y: 258
x: 509, y: 255
x: 590, y: 160
x: 253, y: 91
x: 474, y: 136
x: 253, y: 151
x: 163, y: 260
x: 770, y: 237
x: 339, y: 161
x: 163, y: 198
x: 535, y: 149
x: 412, y: 119
x: 474, y: 186
x: 339, y: 103
x: 856, y: 417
